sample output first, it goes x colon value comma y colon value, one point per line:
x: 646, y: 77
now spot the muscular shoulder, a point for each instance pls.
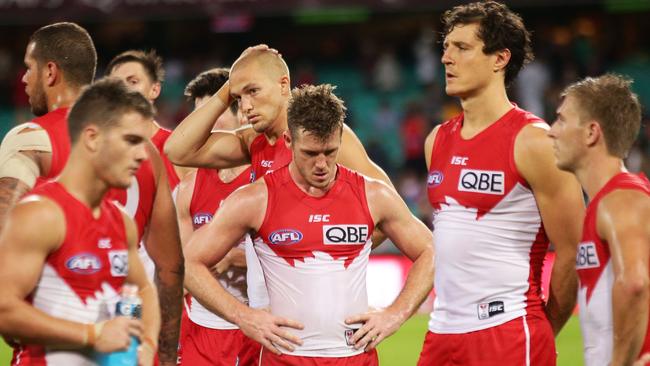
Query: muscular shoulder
x: 381, y: 198
x: 130, y: 228
x: 624, y: 208
x: 428, y: 144
x: 533, y: 152
x: 37, y: 210
x: 247, y: 204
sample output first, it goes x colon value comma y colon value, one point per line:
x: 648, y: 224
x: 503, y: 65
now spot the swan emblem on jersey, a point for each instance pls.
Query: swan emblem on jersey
x: 285, y: 237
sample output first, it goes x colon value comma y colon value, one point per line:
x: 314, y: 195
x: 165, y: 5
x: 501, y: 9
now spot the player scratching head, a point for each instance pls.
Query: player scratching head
x: 203, y: 86
x: 597, y: 121
x: 485, y: 45
x: 315, y: 117
x: 142, y: 71
x: 60, y: 59
x: 107, y: 127
x: 260, y: 82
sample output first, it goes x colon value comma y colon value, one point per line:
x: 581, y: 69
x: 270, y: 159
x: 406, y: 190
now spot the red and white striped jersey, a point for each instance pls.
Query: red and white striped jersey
x: 314, y: 255
x: 488, y: 234
x: 81, y: 280
x: 209, y: 192
x: 597, y: 277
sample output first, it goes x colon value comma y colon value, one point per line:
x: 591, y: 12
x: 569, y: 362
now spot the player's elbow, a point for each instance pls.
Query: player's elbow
x: 174, y: 153
x: 633, y: 285
x: 7, y: 307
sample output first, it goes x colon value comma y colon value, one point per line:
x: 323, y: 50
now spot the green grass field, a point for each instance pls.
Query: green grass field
x: 403, y: 348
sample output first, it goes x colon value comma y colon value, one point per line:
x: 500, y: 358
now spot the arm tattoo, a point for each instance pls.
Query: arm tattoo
x: 170, y: 296
x: 11, y: 189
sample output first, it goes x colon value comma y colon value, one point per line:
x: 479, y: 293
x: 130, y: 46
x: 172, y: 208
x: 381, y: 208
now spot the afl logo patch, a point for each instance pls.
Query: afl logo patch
x: 435, y: 178
x: 201, y: 218
x: 84, y: 263
x: 285, y: 237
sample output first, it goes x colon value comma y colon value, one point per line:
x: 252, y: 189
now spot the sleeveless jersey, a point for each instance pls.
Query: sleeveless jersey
x: 488, y: 234
x: 209, y: 192
x: 314, y: 255
x: 55, y: 124
x: 597, y: 277
x: 266, y: 157
x: 82, y: 278
x: 159, y: 140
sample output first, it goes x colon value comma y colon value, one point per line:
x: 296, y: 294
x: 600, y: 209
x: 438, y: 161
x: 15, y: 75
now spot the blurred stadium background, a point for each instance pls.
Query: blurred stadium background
x: 383, y: 55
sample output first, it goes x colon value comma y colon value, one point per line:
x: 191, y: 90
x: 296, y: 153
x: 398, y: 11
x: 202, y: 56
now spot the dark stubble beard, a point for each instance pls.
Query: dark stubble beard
x: 37, y: 100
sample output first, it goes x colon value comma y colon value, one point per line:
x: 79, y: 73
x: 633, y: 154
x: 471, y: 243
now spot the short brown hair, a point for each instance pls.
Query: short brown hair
x: 103, y: 103
x: 70, y: 47
x: 316, y: 110
x: 499, y: 28
x: 609, y: 101
x: 150, y: 61
x: 207, y: 83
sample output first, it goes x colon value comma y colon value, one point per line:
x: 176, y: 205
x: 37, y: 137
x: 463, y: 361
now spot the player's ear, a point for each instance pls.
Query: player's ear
x: 502, y: 59
x: 51, y: 73
x: 155, y: 91
x: 285, y: 85
x: 593, y: 133
x: 90, y: 136
x: 287, y: 138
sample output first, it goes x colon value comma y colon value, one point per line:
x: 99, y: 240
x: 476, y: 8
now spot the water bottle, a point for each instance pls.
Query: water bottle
x: 130, y: 305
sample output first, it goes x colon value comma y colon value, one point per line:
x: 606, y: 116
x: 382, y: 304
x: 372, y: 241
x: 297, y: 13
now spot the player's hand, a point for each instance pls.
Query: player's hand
x: 268, y: 330
x: 378, y: 324
x: 223, y: 265
x: 260, y: 47
x: 115, y: 334
x: 224, y: 94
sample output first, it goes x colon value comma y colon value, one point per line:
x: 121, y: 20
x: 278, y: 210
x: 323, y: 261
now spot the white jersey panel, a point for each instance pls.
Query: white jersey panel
x: 483, y: 263
x: 596, y: 319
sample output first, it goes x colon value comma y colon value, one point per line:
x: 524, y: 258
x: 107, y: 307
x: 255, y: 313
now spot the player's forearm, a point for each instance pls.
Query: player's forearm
x: 23, y: 323
x: 11, y: 189
x: 210, y: 293
x: 417, y: 287
x: 630, y: 318
x: 562, y: 292
x: 169, y: 283
x: 193, y: 132
x: 150, y: 313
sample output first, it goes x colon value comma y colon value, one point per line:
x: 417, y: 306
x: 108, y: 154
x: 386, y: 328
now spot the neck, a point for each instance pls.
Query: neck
x: 275, y: 131
x: 597, y: 171
x: 485, y: 107
x: 305, y: 186
x: 62, y: 97
x: 79, y: 178
x: 153, y: 129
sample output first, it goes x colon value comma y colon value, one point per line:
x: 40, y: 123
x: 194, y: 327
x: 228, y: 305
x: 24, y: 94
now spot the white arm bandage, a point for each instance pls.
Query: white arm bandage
x: 15, y: 164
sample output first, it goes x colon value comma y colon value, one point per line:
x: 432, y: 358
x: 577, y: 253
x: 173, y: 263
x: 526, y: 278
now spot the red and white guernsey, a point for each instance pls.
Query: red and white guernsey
x: 138, y: 202
x: 314, y: 256
x: 266, y: 157
x: 487, y: 230
x: 55, y: 124
x: 82, y: 278
x: 209, y: 192
x: 597, y: 277
x: 159, y: 140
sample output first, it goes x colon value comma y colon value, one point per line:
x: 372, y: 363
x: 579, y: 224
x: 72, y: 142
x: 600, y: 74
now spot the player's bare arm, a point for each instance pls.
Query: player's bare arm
x: 240, y: 213
x: 25, y: 154
x: 193, y: 143
x: 353, y: 155
x: 23, y: 252
x: 428, y: 145
x: 559, y: 198
x: 623, y: 217
x: 413, y: 239
x: 164, y: 247
x: 148, y: 294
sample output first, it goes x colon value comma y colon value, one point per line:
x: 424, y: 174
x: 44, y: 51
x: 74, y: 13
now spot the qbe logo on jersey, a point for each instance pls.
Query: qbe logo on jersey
x: 587, y: 256
x: 345, y: 234
x: 119, y: 260
x: 481, y: 181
